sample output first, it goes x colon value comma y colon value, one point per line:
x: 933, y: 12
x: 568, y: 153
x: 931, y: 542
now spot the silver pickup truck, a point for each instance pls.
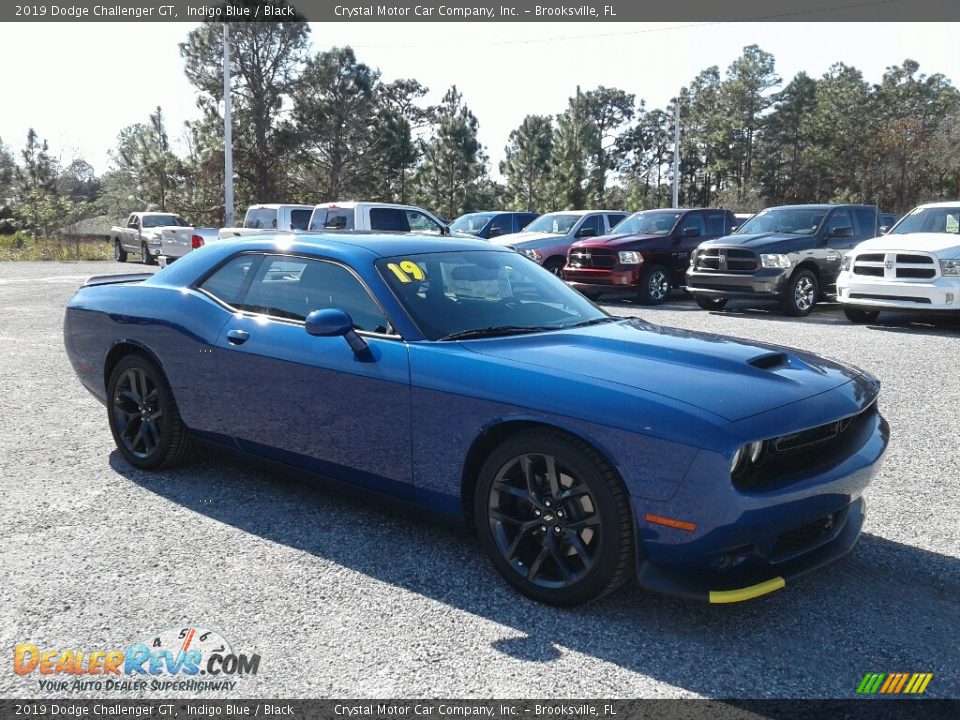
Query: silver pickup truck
x: 269, y: 217
x: 151, y: 234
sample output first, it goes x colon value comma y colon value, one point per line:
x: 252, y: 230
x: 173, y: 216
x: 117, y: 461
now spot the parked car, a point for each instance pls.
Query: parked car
x: 645, y: 255
x: 268, y: 217
x: 453, y: 374
x: 913, y: 268
x: 548, y: 238
x: 150, y: 234
x: 198, y: 238
x: 887, y: 221
x: 492, y: 224
x: 383, y: 217
x: 791, y: 254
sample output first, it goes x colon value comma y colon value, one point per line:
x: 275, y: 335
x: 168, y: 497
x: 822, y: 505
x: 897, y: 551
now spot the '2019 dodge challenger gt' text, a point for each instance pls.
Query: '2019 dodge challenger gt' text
x: 586, y: 449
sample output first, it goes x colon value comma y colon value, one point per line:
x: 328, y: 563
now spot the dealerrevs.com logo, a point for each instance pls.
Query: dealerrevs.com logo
x: 191, y: 659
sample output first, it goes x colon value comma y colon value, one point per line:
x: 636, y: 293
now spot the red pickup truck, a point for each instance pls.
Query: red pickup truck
x: 646, y: 254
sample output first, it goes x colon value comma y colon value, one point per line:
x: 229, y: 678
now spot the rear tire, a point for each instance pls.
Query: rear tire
x: 654, y: 287
x: 554, y: 518
x: 144, y: 417
x: 860, y: 317
x: 801, y: 294
x: 145, y: 257
x: 709, y: 303
x: 119, y: 254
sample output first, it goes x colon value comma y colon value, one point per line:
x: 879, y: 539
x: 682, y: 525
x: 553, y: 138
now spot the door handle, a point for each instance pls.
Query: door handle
x: 237, y: 337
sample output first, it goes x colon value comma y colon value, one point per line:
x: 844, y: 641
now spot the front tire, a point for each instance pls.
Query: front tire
x: 144, y: 417
x: 554, y: 518
x: 709, y: 303
x: 119, y: 254
x: 801, y: 294
x: 145, y: 257
x: 654, y: 287
x: 860, y: 317
x: 555, y: 266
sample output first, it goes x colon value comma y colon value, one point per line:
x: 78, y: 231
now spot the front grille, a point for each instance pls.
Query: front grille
x: 789, y: 457
x: 895, y: 266
x: 807, y: 537
x: 584, y: 258
x: 735, y: 260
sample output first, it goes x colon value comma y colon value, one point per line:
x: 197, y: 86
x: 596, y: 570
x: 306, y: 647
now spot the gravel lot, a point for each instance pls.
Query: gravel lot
x: 342, y: 598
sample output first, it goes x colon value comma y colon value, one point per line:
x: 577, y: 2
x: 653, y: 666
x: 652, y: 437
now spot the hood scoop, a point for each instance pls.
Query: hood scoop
x: 768, y: 361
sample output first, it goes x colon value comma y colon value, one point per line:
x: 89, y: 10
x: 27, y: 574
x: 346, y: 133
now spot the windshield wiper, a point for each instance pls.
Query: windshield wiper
x: 494, y: 331
x: 594, y: 321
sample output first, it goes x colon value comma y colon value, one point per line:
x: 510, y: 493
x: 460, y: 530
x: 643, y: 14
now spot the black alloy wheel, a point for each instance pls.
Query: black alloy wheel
x: 800, y: 294
x: 654, y: 287
x: 554, y: 518
x: 144, y: 418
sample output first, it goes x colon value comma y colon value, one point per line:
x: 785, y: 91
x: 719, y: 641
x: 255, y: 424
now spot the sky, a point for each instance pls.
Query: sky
x: 79, y: 84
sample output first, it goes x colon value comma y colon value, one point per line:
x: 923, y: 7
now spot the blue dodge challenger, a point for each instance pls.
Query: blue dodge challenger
x: 585, y: 449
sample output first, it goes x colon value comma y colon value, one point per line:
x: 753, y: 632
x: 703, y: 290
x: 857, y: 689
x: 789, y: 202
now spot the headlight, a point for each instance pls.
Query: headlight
x: 533, y: 254
x: 630, y: 257
x: 775, y: 261
x: 845, y: 263
x: 950, y: 268
x: 747, y: 457
x: 693, y: 258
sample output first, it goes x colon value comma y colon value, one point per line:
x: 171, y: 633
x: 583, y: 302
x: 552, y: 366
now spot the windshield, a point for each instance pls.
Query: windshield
x: 555, y: 224
x: 454, y: 292
x: 930, y: 220
x: 151, y: 221
x: 647, y: 222
x: 472, y: 223
x: 789, y: 220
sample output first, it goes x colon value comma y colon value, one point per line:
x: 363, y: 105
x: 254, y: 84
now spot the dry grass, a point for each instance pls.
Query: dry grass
x: 52, y: 249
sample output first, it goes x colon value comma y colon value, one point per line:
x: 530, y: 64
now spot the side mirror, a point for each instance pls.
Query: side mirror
x: 586, y: 232
x: 884, y: 229
x: 841, y: 232
x: 690, y: 232
x: 331, y: 322
x: 495, y: 232
x: 444, y: 229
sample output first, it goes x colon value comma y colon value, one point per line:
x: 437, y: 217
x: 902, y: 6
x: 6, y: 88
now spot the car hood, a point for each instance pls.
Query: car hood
x: 945, y: 244
x: 522, y: 239
x: 730, y: 378
x: 620, y: 240
x: 778, y: 242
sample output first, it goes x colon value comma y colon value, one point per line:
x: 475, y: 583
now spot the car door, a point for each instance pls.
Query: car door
x: 132, y: 236
x: 311, y: 401
x: 689, y: 233
x: 839, y: 236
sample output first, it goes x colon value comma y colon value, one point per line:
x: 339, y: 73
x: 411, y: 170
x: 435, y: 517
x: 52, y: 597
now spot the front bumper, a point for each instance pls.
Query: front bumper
x: 749, y: 543
x: 767, y: 283
x: 941, y: 295
x: 616, y: 281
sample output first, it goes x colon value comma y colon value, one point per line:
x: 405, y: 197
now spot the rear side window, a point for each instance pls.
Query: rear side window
x: 867, y: 220
x: 389, y: 220
x: 260, y: 219
x: 299, y: 219
x: 332, y: 219
x: 230, y: 282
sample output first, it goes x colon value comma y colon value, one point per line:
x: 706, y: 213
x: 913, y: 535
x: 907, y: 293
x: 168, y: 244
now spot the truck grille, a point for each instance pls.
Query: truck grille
x: 592, y: 258
x: 896, y: 266
x: 726, y: 260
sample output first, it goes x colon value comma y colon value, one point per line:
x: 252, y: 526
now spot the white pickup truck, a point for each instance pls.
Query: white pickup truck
x: 914, y: 268
x: 151, y: 234
x: 385, y: 217
x: 262, y: 218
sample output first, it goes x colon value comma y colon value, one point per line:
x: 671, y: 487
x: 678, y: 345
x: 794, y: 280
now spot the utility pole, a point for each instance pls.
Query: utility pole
x: 676, y: 152
x: 227, y: 133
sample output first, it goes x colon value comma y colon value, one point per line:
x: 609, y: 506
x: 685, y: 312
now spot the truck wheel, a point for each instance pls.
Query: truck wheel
x: 709, y: 303
x: 555, y: 266
x: 145, y: 257
x: 801, y: 294
x: 119, y: 254
x: 860, y: 316
x: 654, y: 285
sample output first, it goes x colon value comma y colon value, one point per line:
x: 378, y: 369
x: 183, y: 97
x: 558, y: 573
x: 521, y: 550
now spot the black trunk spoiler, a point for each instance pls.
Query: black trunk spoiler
x: 116, y: 279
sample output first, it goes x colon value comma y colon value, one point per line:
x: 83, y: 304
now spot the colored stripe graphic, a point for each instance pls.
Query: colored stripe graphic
x: 894, y: 683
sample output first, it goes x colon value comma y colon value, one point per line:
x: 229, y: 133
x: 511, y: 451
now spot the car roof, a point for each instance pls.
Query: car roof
x: 378, y: 243
x: 277, y: 206
x: 944, y: 203
x: 817, y: 206
x: 581, y: 212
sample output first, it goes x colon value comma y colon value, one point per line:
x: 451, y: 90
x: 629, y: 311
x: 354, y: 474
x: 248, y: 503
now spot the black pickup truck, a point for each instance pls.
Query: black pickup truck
x: 791, y: 254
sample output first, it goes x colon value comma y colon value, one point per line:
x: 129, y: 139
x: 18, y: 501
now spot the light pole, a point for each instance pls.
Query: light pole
x: 676, y: 152
x: 227, y: 133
